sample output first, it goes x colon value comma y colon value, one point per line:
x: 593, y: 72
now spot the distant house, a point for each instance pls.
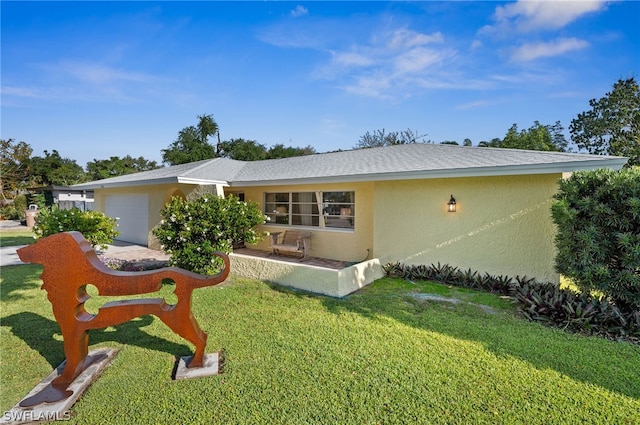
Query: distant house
x: 387, y: 204
x: 66, y: 197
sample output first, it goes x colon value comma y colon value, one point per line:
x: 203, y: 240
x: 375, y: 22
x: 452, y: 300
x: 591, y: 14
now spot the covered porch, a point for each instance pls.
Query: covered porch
x: 323, y: 276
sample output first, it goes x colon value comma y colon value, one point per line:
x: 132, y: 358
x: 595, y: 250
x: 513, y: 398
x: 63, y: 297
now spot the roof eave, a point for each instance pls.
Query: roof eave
x: 167, y: 180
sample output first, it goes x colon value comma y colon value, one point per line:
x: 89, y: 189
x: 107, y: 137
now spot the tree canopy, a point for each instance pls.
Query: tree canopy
x: 99, y: 169
x: 193, y: 144
x: 282, y: 151
x: 381, y: 138
x: 52, y: 169
x: 538, y: 137
x: 612, y: 126
x: 243, y: 150
x: 250, y: 150
x: 14, y: 166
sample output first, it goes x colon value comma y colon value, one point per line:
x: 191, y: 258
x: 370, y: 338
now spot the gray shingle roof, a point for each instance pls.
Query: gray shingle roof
x: 385, y: 163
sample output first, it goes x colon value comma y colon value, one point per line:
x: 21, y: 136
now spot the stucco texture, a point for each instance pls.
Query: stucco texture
x: 502, y: 225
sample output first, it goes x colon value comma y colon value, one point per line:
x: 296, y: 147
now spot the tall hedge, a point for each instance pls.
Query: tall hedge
x: 598, y: 240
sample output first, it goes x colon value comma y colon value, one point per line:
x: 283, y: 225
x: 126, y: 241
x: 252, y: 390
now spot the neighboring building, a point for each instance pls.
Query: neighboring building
x: 388, y: 203
x: 66, y: 197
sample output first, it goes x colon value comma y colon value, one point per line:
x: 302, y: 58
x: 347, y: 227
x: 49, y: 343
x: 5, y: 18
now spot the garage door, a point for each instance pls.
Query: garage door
x: 132, y: 212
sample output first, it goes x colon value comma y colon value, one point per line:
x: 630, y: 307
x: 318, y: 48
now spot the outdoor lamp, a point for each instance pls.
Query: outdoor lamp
x: 451, y: 205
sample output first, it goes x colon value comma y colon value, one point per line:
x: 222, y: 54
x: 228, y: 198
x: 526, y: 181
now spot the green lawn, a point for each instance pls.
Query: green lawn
x: 379, y: 356
x: 14, y: 237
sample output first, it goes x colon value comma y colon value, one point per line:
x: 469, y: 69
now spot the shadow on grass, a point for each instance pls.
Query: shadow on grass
x: 38, y: 333
x: 17, y: 280
x: 592, y: 360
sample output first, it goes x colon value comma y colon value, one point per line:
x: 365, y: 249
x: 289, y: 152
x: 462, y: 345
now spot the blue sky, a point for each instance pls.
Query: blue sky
x: 100, y: 79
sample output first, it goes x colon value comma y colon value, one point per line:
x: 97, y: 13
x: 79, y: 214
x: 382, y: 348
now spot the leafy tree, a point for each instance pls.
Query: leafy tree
x: 14, y: 166
x: 381, y: 138
x: 282, y: 151
x: 192, y: 230
x: 116, y: 166
x: 493, y: 143
x: 449, y: 142
x: 193, y: 144
x: 243, y: 150
x: 467, y: 142
x: 98, y: 228
x: 612, y: 126
x: 598, y: 240
x: 52, y: 169
x: 538, y: 137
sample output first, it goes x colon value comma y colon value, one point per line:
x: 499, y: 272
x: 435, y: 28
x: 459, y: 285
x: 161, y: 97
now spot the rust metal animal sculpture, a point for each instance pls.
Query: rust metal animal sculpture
x: 70, y: 264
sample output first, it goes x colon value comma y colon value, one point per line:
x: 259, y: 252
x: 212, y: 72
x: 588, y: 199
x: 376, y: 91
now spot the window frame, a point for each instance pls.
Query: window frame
x: 323, y: 209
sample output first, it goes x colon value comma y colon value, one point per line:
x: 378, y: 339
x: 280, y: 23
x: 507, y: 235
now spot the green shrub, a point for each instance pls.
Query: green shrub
x: 38, y: 199
x: 192, y: 230
x: 96, y: 227
x: 20, y: 205
x: 577, y: 312
x: 9, y: 212
x: 544, y: 303
x: 598, y: 239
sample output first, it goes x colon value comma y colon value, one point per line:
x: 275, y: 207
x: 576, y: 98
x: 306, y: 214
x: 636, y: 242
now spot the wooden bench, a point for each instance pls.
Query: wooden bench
x: 292, y: 241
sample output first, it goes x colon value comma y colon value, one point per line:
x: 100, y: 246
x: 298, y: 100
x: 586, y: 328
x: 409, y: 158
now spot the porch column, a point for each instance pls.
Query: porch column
x: 220, y: 190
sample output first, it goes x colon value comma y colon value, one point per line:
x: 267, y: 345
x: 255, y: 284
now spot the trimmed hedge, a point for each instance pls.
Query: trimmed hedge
x: 544, y: 303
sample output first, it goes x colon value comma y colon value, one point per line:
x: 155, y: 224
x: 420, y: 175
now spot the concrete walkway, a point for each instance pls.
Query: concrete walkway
x: 120, y: 250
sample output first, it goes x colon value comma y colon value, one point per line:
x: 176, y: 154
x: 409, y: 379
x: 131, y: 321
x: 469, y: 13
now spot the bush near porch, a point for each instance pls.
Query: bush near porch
x: 192, y: 230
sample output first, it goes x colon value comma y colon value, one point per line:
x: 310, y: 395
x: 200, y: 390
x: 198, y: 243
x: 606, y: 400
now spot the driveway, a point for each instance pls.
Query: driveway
x: 120, y: 250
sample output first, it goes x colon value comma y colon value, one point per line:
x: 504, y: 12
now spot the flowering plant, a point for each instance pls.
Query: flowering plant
x: 192, y: 230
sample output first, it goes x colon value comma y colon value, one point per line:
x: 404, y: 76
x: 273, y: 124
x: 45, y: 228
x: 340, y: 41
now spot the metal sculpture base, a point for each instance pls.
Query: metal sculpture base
x: 47, y: 402
x: 210, y: 366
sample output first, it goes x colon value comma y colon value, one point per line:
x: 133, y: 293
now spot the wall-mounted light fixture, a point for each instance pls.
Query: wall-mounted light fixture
x: 451, y: 205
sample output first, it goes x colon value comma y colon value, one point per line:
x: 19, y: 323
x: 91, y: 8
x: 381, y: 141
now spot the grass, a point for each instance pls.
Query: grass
x: 381, y: 355
x: 20, y: 236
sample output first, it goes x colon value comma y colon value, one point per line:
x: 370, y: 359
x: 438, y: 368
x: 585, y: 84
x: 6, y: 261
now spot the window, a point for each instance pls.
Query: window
x: 316, y: 209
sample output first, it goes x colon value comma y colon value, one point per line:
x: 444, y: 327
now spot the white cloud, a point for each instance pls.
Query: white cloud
x: 478, y: 104
x: 22, y: 92
x: 404, y: 38
x: 392, y: 60
x: 99, y: 74
x: 83, y: 81
x: 417, y: 60
x: 371, y: 85
x: 527, y: 15
x: 352, y: 59
x: 476, y: 44
x: 532, y: 51
x: 299, y: 11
